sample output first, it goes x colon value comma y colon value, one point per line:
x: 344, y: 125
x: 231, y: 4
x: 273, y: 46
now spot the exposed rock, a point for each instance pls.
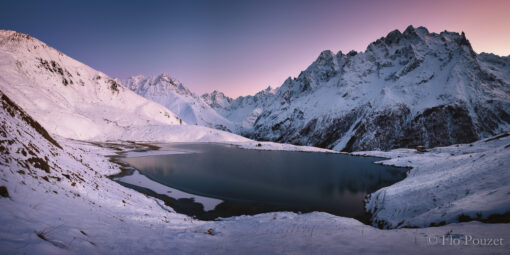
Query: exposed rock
x: 408, y: 89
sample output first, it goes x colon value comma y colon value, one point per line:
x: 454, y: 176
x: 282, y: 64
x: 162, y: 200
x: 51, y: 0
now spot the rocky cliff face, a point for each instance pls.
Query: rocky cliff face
x: 406, y: 89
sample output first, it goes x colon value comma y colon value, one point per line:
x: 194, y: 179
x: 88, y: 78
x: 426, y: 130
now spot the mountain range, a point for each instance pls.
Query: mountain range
x: 170, y: 93
x: 72, y: 100
x: 407, y: 89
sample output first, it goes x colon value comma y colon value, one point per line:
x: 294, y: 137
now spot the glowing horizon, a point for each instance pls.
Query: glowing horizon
x: 236, y: 47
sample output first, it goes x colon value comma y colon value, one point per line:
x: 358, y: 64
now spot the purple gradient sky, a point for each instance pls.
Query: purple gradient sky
x: 239, y: 47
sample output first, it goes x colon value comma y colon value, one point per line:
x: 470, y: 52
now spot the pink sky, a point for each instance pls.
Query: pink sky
x: 240, y: 47
x: 486, y: 24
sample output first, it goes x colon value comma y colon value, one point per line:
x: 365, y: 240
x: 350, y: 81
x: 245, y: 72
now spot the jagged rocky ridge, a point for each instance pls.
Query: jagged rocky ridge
x: 407, y: 89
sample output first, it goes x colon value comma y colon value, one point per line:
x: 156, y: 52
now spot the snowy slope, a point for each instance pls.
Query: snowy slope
x: 66, y: 96
x: 173, y: 95
x: 447, y: 184
x: 55, y: 199
x: 75, y: 101
x: 58, y: 188
x: 406, y: 89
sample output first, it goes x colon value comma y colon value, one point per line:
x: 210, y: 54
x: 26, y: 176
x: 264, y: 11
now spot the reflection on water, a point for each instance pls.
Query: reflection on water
x: 251, y: 181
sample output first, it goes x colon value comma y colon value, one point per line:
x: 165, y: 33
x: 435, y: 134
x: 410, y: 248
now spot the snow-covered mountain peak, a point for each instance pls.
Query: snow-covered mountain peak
x: 16, y: 38
x: 410, y: 33
x: 418, y: 31
x: 389, y: 58
x: 325, y: 56
x: 156, y: 84
x: 155, y: 80
x: 218, y: 93
x: 69, y: 98
x: 171, y: 93
x: 216, y: 99
x: 408, y: 79
x: 270, y: 90
x: 26, y: 44
x: 169, y: 80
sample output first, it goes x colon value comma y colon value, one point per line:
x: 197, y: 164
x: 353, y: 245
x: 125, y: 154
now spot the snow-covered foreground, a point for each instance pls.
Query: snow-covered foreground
x: 138, y: 179
x: 56, y: 199
x: 110, y: 219
x: 446, y: 184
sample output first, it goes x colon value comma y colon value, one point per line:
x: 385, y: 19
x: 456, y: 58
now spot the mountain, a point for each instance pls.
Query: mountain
x: 173, y: 95
x: 407, y: 89
x: 243, y: 110
x: 72, y: 100
x: 216, y: 99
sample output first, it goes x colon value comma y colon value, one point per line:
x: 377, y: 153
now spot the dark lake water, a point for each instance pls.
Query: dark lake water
x: 254, y: 181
